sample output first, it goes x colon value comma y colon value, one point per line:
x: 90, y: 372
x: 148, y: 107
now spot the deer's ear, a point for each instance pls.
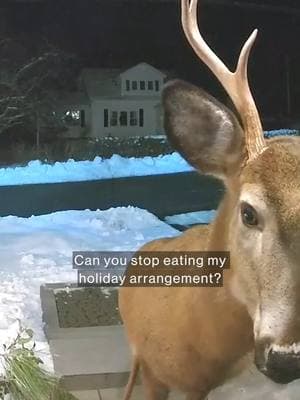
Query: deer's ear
x: 203, y: 130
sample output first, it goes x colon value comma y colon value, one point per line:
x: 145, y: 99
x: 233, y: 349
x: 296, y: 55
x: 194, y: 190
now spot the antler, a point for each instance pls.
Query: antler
x: 235, y: 83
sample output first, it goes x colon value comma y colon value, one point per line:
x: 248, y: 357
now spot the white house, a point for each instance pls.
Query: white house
x: 115, y: 102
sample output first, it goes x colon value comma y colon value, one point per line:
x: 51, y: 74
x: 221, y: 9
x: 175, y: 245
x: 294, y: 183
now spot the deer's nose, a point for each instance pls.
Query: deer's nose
x: 282, y: 367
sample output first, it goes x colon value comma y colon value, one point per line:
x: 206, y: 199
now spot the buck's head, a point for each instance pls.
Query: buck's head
x: 261, y: 215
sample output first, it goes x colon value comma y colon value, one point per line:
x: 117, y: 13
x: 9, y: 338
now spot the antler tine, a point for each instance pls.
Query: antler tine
x: 201, y: 48
x: 235, y: 83
x: 242, y: 65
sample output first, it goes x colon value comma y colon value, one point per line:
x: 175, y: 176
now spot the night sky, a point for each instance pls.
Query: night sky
x: 121, y: 33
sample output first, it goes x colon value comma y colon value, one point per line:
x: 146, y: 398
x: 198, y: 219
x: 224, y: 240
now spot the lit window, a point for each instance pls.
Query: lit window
x: 133, y: 118
x: 127, y: 85
x: 157, y: 86
x: 114, y: 118
x: 150, y: 85
x: 72, y: 117
x: 134, y: 85
x: 123, y: 118
x: 142, y: 85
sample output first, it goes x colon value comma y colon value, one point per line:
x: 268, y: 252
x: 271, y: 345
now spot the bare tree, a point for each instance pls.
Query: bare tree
x: 30, y: 85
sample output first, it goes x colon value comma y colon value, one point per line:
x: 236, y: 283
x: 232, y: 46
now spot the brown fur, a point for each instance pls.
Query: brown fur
x: 189, y: 338
x: 182, y: 350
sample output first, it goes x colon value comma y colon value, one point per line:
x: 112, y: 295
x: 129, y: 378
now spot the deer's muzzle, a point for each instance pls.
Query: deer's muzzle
x: 282, y: 366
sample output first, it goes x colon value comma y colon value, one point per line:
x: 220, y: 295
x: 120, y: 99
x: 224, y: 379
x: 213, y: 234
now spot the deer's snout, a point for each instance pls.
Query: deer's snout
x: 280, y: 366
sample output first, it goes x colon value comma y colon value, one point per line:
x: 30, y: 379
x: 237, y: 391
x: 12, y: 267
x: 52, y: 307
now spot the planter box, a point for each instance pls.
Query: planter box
x: 86, y: 358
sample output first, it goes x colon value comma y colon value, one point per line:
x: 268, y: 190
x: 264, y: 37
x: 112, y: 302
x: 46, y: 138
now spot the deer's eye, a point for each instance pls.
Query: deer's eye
x: 249, y: 215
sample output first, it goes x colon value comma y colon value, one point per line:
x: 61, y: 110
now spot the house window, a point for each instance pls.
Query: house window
x: 133, y: 118
x: 142, y: 85
x: 123, y: 118
x: 127, y: 85
x: 150, y: 85
x: 157, y: 86
x: 114, y: 118
x: 141, y: 117
x: 72, y: 117
x: 105, y: 118
x: 134, y: 85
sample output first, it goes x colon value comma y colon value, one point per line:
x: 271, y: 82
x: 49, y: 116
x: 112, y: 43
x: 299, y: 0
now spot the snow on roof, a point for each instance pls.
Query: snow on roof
x: 147, y: 66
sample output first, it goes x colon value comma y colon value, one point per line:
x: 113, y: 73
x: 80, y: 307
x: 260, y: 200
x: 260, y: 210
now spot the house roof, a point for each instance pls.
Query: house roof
x: 143, y: 65
x: 101, y: 82
x: 105, y: 82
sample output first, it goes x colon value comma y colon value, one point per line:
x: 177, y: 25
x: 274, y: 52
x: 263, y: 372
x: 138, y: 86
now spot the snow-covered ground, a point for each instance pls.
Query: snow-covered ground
x: 192, y: 218
x: 75, y: 171
x: 115, y: 167
x: 38, y: 250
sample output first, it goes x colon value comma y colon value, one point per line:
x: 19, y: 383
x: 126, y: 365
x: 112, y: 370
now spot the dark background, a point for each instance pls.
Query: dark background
x: 121, y: 33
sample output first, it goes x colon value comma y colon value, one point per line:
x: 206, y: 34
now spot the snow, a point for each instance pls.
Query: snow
x: 159, y: 137
x: 114, y: 167
x: 38, y: 250
x: 75, y: 171
x: 280, y: 132
x: 192, y: 218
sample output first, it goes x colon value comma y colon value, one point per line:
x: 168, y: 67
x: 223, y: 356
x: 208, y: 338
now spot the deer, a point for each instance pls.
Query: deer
x: 191, y: 339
